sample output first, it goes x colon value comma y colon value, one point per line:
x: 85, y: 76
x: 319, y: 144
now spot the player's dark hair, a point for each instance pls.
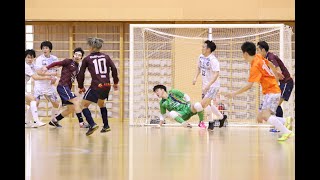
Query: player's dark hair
x: 159, y: 86
x: 211, y: 45
x: 46, y: 43
x: 263, y: 45
x: 78, y: 49
x: 249, y: 47
x: 30, y: 52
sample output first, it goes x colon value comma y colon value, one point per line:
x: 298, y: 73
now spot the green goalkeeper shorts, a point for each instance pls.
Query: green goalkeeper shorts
x: 186, y: 113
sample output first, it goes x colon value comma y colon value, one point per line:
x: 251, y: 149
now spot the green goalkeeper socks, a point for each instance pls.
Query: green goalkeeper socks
x: 201, y: 114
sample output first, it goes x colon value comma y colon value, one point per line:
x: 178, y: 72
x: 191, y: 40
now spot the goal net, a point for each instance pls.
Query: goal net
x: 167, y: 54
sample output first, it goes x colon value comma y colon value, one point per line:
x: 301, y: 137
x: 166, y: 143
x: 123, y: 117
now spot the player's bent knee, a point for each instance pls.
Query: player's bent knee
x: 205, y: 102
x: 29, y: 98
x: 70, y: 107
x: 198, y: 107
x: 76, y: 102
x: 85, y: 103
x: 173, y: 114
x: 260, y: 120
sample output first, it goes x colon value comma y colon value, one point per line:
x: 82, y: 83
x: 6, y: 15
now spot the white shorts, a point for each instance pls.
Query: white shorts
x: 211, y: 93
x: 50, y: 92
x: 271, y: 102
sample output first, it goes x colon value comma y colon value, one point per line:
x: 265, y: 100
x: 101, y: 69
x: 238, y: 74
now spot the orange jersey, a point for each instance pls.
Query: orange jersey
x: 260, y: 72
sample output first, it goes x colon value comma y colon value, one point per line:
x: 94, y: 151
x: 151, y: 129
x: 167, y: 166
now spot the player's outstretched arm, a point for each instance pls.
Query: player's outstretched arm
x: 80, y: 75
x: 114, y: 73
x: 242, y: 90
x: 276, y: 71
x: 37, y: 77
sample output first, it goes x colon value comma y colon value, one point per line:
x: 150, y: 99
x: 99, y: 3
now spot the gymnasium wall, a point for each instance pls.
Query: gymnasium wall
x: 164, y: 10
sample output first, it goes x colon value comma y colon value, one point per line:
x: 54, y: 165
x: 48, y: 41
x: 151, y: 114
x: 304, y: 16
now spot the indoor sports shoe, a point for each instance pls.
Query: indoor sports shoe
x: 27, y: 125
x: 274, y: 130
x: 92, y: 129
x: 288, y: 123
x: 104, y: 130
x: 222, y: 121
x: 286, y: 136
x: 84, y: 125
x: 202, y: 125
x: 30, y: 125
x: 54, y: 123
x: 211, y: 126
x: 39, y: 123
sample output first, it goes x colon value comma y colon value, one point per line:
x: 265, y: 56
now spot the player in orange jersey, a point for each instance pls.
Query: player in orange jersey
x: 260, y: 72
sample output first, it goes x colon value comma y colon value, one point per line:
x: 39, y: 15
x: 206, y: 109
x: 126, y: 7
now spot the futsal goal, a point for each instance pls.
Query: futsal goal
x: 167, y: 54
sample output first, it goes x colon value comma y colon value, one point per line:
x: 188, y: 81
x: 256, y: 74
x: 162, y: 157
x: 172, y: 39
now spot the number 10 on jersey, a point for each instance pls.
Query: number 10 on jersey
x: 100, y: 67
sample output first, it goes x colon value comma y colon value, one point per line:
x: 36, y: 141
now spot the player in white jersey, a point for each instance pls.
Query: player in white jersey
x: 209, y: 67
x: 32, y: 119
x: 46, y: 88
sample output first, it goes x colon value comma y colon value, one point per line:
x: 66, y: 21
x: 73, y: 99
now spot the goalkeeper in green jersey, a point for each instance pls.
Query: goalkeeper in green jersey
x: 178, y: 104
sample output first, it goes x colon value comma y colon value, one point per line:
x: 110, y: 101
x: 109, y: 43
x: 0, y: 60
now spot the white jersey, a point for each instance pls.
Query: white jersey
x: 42, y: 61
x: 29, y: 71
x: 207, y: 66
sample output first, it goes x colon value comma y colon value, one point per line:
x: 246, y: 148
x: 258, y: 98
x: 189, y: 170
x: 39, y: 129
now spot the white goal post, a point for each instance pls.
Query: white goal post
x: 167, y: 54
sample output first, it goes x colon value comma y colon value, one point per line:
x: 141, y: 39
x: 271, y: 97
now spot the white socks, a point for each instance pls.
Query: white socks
x: 34, y: 110
x: 208, y: 113
x: 212, y: 109
x: 274, y: 120
x: 282, y: 120
x: 216, y: 112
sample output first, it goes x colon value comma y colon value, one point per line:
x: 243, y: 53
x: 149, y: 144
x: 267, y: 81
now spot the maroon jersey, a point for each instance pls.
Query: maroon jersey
x: 69, y: 71
x: 99, y: 66
x: 276, y: 61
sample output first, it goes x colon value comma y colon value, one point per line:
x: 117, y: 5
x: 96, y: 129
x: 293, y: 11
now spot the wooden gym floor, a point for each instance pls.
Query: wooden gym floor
x: 147, y: 153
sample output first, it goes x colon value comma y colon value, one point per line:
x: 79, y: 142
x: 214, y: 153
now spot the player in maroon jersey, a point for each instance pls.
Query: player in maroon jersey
x: 99, y: 66
x: 68, y: 74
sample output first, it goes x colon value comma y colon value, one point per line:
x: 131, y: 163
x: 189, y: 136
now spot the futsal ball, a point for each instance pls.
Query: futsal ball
x: 221, y: 108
